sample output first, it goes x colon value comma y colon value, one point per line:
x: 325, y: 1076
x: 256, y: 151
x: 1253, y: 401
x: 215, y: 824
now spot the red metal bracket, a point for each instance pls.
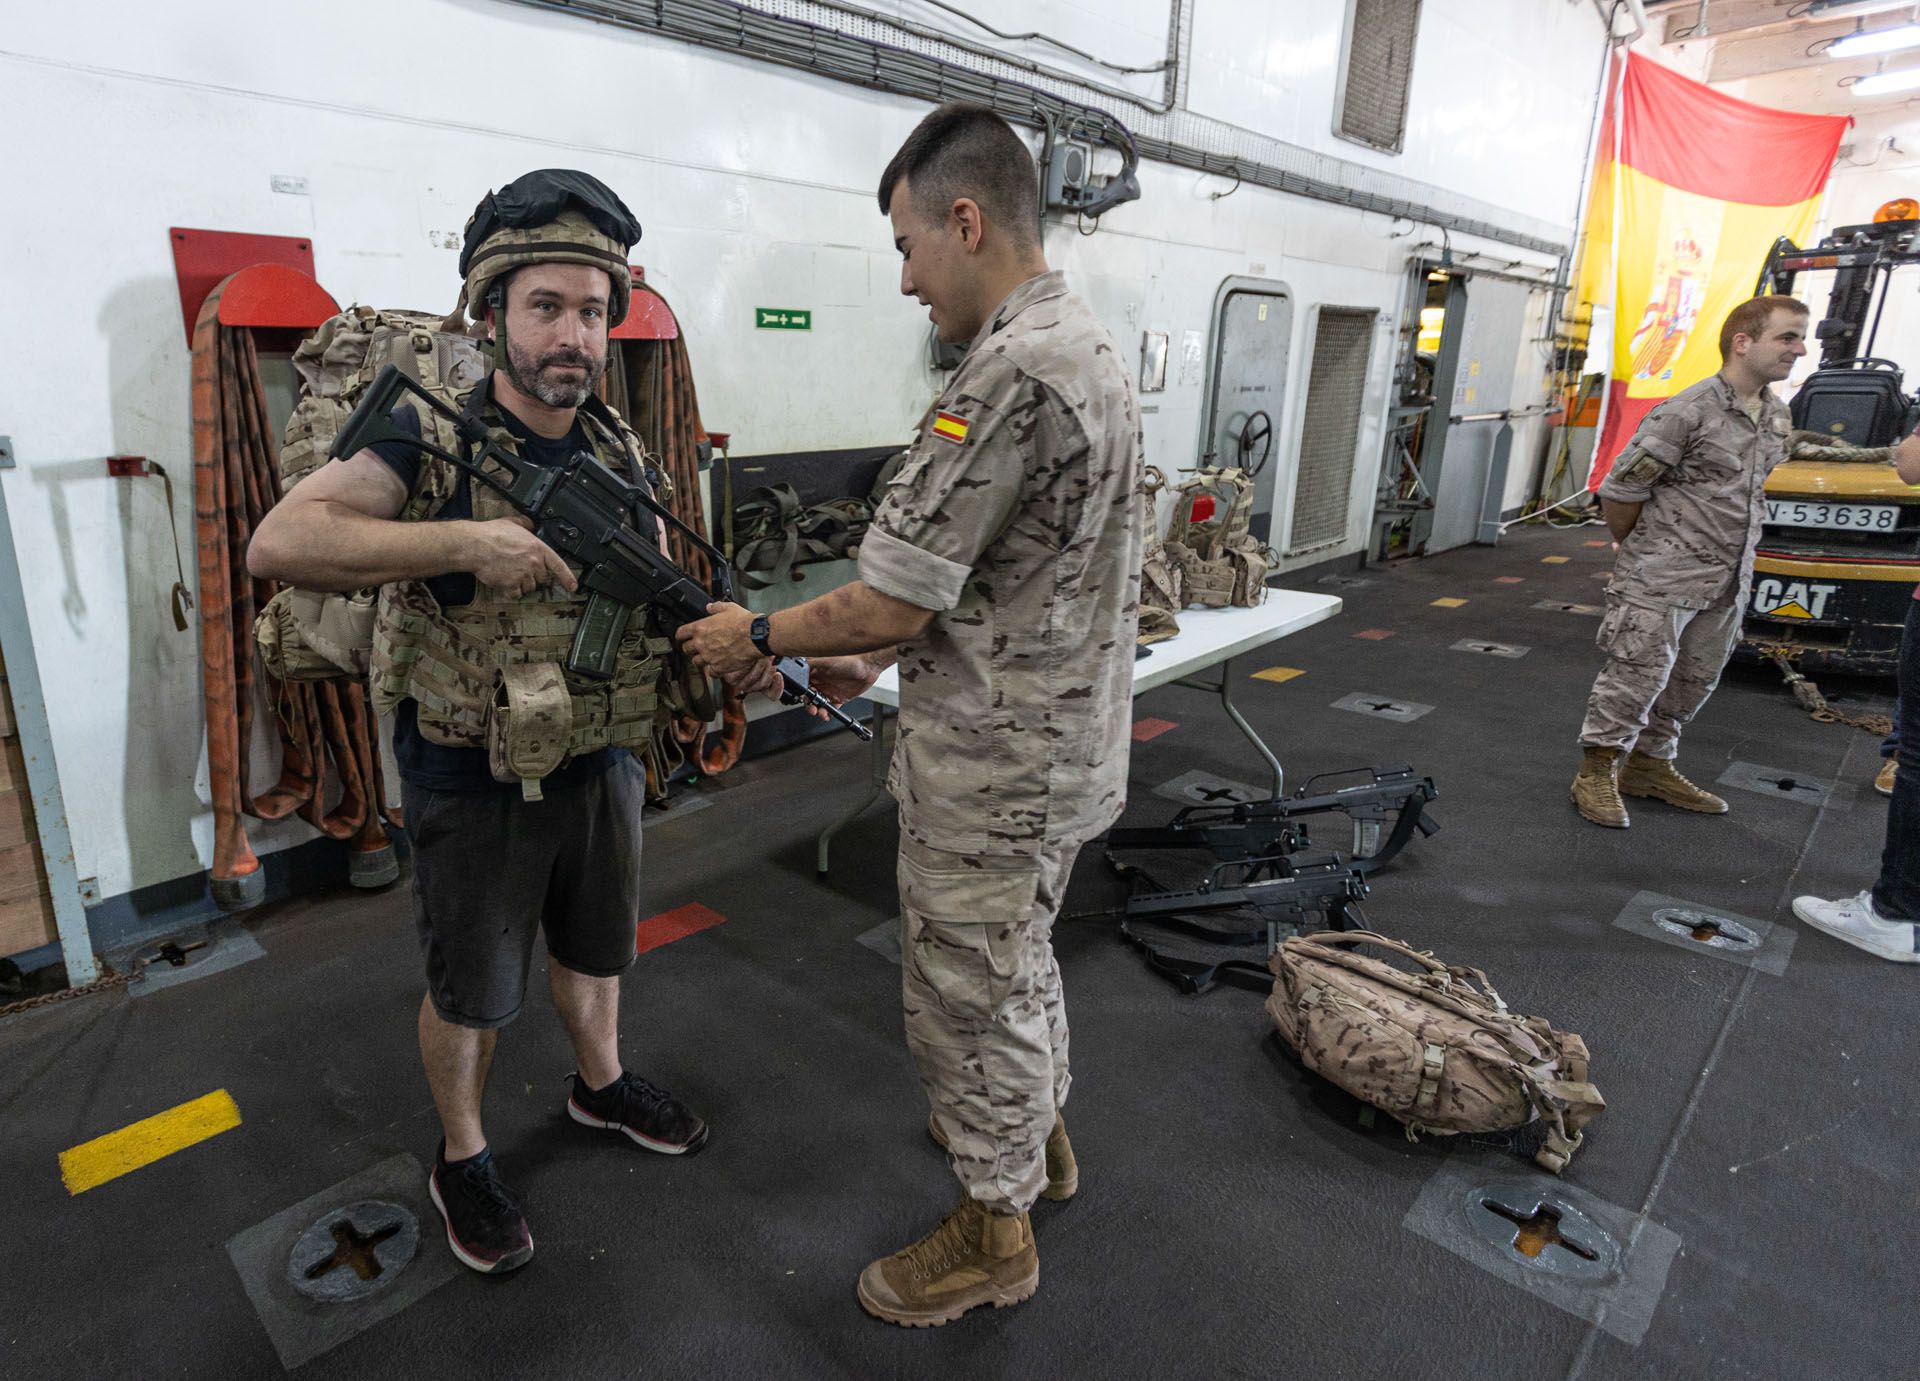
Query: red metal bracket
x: 127, y: 467
x: 648, y: 317
x: 201, y: 258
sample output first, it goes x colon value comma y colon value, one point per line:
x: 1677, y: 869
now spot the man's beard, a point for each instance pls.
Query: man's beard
x: 530, y: 375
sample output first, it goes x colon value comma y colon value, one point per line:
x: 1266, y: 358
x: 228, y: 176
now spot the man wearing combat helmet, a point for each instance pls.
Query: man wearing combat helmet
x: 476, y: 612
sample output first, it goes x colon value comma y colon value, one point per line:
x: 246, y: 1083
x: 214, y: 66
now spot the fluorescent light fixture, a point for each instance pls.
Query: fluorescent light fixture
x: 1882, y: 83
x: 1881, y: 41
x: 1824, y: 9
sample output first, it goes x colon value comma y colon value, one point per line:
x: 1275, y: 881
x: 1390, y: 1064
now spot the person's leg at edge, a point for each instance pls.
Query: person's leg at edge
x: 1896, y: 895
x: 1884, y: 920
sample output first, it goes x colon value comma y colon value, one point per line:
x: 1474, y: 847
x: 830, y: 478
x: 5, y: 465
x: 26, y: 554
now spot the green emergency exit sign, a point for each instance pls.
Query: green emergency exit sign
x: 782, y: 319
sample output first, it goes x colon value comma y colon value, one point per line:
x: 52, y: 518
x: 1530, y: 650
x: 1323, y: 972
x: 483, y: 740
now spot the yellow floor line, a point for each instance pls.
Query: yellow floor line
x: 108, y: 1157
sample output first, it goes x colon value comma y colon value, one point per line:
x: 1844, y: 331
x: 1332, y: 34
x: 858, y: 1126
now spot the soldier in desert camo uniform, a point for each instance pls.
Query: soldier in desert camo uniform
x: 1002, y: 572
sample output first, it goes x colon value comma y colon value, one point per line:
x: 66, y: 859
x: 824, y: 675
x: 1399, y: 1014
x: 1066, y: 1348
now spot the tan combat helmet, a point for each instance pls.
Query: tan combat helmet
x: 553, y: 216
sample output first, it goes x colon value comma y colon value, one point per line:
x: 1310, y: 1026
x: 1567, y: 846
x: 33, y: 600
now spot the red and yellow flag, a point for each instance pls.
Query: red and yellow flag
x: 1690, y: 190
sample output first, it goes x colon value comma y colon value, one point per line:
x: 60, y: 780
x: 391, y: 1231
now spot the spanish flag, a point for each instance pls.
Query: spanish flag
x: 1690, y: 190
x: 950, y: 427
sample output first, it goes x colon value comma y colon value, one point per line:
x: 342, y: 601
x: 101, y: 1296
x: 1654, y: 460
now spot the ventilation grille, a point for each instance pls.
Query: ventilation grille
x: 1330, y: 432
x: 1379, y: 67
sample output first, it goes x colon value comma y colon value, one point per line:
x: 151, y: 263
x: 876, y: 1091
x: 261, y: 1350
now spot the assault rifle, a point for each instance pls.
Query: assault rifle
x: 589, y: 515
x: 1282, y: 890
x: 1264, y: 867
x: 1259, y: 829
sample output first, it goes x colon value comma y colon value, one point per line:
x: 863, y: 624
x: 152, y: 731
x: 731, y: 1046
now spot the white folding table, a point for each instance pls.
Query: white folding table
x: 1207, y: 638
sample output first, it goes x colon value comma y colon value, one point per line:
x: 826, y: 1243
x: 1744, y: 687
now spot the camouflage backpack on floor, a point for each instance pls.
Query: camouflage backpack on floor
x: 1435, y: 1048
x: 1219, y: 560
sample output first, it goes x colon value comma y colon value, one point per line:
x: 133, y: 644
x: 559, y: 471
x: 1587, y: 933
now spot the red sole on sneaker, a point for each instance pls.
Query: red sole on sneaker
x: 665, y: 1148
x: 512, y: 1261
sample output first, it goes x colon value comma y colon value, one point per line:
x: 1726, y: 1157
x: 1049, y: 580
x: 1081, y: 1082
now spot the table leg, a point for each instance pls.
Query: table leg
x: 876, y: 783
x: 1233, y: 713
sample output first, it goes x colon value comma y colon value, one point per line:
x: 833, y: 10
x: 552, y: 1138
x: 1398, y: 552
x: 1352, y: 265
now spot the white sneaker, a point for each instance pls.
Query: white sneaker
x: 1854, y: 920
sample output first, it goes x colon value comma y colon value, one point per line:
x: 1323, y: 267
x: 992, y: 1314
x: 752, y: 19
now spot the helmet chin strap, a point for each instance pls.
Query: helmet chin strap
x: 497, y: 300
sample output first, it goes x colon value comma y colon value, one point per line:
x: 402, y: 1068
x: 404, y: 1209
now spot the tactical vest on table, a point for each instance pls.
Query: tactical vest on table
x: 1209, y: 543
x: 1160, y: 594
x: 491, y: 674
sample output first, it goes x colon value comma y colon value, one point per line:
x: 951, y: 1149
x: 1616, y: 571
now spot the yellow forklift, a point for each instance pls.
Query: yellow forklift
x: 1839, y: 554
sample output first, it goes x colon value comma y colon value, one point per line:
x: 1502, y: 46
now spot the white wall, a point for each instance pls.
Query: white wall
x: 755, y: 186
x: 1501, y: 92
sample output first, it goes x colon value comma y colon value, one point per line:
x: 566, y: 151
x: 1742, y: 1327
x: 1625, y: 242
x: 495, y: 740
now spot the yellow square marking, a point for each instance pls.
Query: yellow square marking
x: 1278, y: 674
x: 153, y: 1138
x: 1448, y: 603
x: 1555, y: 560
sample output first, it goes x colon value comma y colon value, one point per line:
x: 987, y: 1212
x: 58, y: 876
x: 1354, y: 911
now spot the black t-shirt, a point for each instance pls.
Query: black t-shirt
x: 433, y: 765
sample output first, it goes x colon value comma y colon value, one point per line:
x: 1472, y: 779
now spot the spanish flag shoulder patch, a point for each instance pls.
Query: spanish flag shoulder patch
x: 950, y: 428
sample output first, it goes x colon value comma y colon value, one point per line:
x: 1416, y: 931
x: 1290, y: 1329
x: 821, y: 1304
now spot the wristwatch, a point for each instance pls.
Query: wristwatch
x: 760, y: 630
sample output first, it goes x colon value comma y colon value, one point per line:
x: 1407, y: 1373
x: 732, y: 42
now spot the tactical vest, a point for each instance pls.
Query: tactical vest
x: 491, y: 674
x: 1160, y: 594
x: 1218, y: 559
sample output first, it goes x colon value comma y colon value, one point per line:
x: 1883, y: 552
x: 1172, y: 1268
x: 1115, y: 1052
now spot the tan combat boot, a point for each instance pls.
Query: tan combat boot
x: 1063, y: 1171
x: 1596, y: 791
x: 1657, y: 779
x: 974, y: 1257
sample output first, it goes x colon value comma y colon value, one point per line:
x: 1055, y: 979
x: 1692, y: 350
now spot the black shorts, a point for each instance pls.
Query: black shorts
x: 489, y: 868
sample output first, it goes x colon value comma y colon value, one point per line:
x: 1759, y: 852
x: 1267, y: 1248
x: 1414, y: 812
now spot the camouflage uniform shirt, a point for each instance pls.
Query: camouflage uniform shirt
x: 1699, y: 463
x: 1018, y: 518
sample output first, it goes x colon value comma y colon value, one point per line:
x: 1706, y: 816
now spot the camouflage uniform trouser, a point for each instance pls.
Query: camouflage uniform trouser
x: 985, y: 1016
x: 1662, y: 664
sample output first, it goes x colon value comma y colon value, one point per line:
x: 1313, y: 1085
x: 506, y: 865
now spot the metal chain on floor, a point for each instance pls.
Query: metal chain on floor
x: 1807, y: 695
x: 107, y: 981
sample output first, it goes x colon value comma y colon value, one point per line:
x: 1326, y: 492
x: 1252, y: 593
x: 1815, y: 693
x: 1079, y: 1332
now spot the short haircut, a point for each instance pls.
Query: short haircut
x: 964, y: 150
x: 1750, y: 319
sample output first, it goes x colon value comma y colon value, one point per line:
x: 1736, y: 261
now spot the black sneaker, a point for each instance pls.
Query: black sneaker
x: 650, y: 1117
x: 485, y: 1226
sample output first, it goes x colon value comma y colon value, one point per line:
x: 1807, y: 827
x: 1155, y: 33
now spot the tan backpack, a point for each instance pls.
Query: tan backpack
x: 1219, y: 559
x: 1435, y: 1048
x: 339, y: 360
x: 304, y: 635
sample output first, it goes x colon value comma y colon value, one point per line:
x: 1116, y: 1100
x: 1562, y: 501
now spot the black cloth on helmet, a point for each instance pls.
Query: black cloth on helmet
x: 539, y: 197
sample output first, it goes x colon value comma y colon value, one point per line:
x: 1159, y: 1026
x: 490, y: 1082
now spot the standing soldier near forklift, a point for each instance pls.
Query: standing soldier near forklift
x: 1685, y: 502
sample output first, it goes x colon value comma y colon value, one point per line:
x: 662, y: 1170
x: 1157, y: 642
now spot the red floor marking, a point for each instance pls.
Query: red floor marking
x: 1603, y: 542
x: 673, y: 925
x: 1144, y: 729
x: 1509, y: 580
x: 1374, y: 635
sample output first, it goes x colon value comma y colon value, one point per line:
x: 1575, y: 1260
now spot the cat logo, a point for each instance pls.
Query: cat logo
x: 1797, y: 599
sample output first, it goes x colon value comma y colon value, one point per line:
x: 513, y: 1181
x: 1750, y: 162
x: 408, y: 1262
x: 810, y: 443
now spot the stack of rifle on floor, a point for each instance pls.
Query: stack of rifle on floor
x: 1266, y: 864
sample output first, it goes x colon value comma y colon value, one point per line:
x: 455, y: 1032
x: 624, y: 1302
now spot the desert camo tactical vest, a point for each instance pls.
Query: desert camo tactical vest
x: 1209, y: 543
x: 491, y: 674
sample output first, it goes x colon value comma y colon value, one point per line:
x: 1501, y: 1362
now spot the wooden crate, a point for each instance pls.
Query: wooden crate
x: 26, y: 904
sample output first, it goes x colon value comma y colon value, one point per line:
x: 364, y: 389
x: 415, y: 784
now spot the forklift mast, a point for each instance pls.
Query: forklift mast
x: 1863, y: 258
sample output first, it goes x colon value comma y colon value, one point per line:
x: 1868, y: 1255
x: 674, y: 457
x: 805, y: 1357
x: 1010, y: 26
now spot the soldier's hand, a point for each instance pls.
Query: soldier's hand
x: 840, y: 679
x: 764, y: 679
x: 720, y: 642
x: 506, y: 555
